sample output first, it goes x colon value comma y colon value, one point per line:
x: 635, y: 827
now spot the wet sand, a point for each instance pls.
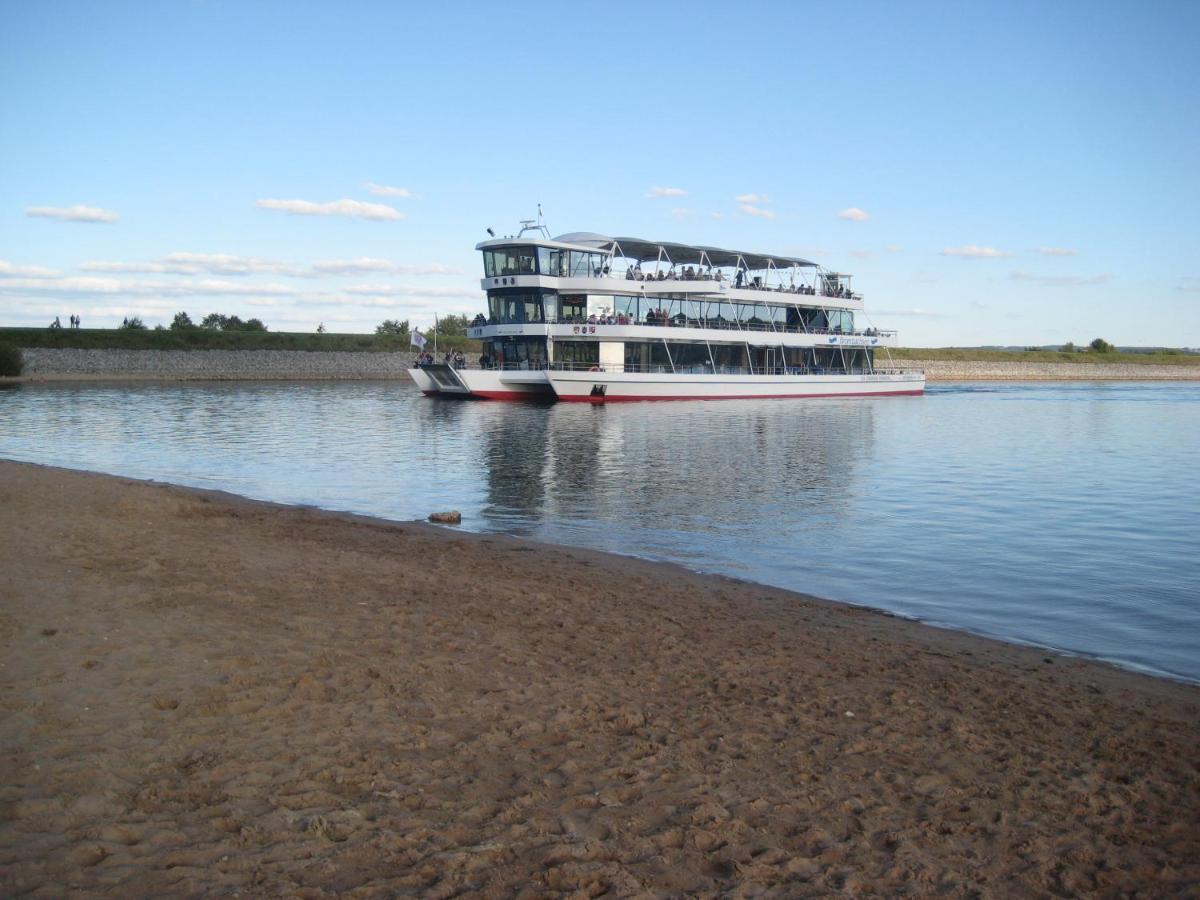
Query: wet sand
x: 203, y: 694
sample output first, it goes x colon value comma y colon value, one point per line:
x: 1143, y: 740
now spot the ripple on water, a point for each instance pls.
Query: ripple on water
x: 1063, y: 515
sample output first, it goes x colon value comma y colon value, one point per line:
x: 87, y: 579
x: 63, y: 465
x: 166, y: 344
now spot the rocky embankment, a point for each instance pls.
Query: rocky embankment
x: 199, y: 365
x: 212, y: 364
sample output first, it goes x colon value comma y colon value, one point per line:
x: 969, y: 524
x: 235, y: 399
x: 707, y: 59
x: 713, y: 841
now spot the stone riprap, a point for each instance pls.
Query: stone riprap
x: 213, y: 364
x: 198, y: 365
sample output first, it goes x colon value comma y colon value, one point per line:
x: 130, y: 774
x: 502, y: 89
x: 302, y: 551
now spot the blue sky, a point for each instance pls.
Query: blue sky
x: 1027, y: 172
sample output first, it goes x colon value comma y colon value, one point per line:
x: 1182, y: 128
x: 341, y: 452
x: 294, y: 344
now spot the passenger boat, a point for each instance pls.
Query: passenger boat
x: 587, y: 317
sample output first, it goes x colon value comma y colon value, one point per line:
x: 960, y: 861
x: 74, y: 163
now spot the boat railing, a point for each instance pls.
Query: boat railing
x: 698, y: 369
x: 717, y: 323
x: 754, y: 283
x: 705, y: 369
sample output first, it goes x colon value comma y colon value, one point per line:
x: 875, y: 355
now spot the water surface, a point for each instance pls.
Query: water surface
x: 1065, y: 515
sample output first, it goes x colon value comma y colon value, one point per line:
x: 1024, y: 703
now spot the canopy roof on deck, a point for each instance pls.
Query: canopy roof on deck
x: 684, y: 254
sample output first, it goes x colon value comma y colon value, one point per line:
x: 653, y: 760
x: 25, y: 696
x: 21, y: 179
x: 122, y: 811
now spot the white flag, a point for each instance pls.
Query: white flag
x: 416, y: 338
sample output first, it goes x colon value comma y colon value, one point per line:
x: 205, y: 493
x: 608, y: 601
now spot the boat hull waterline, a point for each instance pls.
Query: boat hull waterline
x: 605, y: 387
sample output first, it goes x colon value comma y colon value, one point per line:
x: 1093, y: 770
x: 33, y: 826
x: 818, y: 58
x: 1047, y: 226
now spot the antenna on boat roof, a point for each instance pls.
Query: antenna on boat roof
x: 535, y: 225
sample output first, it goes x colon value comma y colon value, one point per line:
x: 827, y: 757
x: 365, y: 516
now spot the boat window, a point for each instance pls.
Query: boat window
x: 574, y: 308
x: 647, y: 356
x: 514, y: 352
x: 690, y: 357
x: 577, y: 352
x: 544, y: 254
x: 579, y: 264
x: 509, y: 261
x: 517, y: 307
x: 729, y: 358
x: 626, y: 306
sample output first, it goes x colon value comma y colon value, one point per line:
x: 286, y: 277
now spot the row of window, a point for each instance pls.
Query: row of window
x: 543, y: 261
x: 534, y: 307
x: 649, y: 355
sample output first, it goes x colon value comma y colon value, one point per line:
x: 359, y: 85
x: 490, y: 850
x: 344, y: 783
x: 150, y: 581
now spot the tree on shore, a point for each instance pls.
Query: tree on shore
x: 133, y: 323
x: 393, y: 327
x: 221, y: 322
x: 450, y: 326
x: 1100, y: 345
x: 182, y: 322
x: 1068, y: 347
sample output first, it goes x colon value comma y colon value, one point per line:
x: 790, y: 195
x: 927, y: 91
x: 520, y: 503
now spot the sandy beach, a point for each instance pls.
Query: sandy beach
x: 204, y: 694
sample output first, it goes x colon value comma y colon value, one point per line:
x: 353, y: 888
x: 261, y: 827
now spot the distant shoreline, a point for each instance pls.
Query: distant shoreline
x: 95, y: 365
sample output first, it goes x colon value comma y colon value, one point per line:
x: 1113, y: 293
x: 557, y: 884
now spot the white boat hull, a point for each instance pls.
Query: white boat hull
x: 483, y: 384
x: 423, y: 381
x: 604, y: 387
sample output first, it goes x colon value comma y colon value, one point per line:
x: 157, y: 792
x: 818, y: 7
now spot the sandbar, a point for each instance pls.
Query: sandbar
x: 205, y: 694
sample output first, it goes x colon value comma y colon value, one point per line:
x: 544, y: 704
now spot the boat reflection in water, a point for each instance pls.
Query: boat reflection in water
x: 640, y: 479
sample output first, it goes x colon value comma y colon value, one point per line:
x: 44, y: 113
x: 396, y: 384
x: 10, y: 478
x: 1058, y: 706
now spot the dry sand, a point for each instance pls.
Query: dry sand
x: 203, y: 694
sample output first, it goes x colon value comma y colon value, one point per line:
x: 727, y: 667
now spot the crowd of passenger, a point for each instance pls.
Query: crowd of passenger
x: 661, y: 318
x: 454, y: 359
x: 741, y: 280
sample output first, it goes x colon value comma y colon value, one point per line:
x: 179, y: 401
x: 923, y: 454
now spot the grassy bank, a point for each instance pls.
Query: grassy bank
x: 204, y: 339
x: 1089, y: 357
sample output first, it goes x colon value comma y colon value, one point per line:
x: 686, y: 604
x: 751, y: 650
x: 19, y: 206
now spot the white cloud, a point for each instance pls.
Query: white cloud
x: 183, y: 263
x: 363, y: 264
x: 861, y: 254
x: 751, y: 210
x: 666, y: 192
x: 970, y: 251
x: 72, y: 213
x: 752, y: 198
x: 83, y: 286
x: 853, y: 214
x: 1057, y: 251
x: 1061, y: 280
x: 8, y: 270
x: 383, y: 190
x: 351, y: 209
x: 681, y: 212
x: 226, y: 264
x: 717, y: 215
x: 893, y: 248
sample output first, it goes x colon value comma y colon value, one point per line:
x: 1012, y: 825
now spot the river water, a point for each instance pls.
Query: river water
x: 1063, y: 515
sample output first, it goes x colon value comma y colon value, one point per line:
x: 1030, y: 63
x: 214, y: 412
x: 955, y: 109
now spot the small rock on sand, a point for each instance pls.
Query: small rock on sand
x: 453, y: 517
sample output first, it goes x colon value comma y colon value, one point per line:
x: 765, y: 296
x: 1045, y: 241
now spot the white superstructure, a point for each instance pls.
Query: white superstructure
x: 595, y: 318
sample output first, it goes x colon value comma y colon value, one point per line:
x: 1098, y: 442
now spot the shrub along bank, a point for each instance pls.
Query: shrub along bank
x: 206, y: 339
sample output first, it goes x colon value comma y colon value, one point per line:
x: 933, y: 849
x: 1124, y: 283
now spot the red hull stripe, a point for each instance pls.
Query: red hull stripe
x: 585, y: 398
x: 514, y: 395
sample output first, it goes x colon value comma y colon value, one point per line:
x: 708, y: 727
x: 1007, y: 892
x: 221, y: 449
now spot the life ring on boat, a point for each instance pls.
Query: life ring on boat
x: 594, y: 369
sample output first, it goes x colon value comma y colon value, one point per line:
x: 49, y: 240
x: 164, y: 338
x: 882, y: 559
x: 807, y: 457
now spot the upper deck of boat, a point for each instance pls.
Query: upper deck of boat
x: 587, y: 262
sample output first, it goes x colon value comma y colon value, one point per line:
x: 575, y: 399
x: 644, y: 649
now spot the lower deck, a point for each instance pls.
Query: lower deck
x: 596, y: 385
